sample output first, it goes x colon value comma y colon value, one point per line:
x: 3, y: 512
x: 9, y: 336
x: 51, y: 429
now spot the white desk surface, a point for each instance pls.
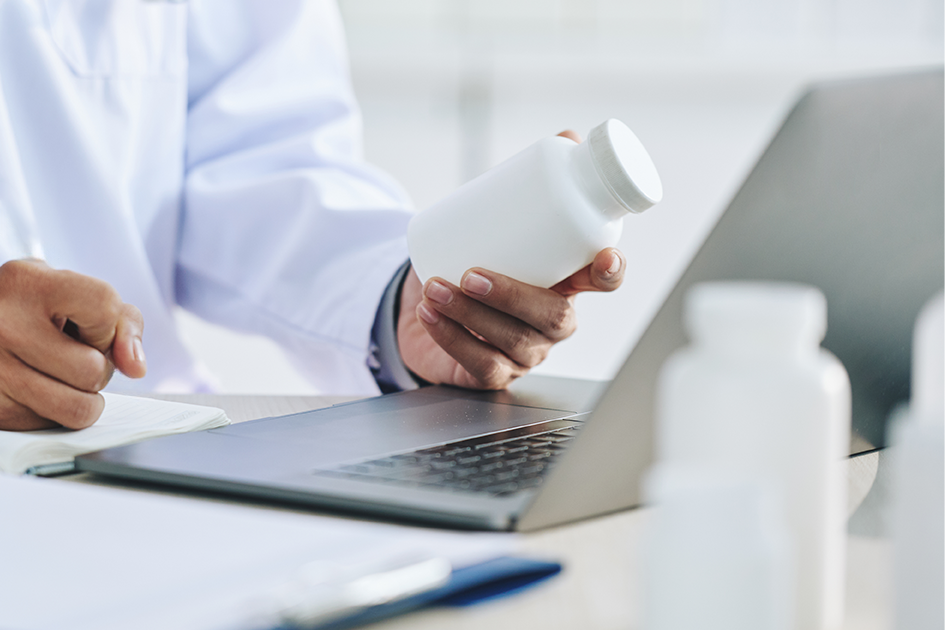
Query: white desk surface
x: 598, y: 588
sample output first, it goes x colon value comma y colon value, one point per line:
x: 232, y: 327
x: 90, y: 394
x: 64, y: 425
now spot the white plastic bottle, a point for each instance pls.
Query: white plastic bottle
x: 542, y: 214
x: 755, y: 395
x: 918, y: 458
x: 716, y: 554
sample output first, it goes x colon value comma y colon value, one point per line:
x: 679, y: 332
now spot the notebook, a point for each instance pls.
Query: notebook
x: 125, y: 420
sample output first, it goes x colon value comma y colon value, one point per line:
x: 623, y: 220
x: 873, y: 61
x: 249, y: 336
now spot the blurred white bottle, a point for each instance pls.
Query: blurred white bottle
x: 542, y: 214
x: 716, y: 554
x: 755, y: 395
x: 918, y: 504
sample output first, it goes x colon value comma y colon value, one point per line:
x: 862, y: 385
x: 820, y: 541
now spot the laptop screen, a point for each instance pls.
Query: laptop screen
x: 848, y: 197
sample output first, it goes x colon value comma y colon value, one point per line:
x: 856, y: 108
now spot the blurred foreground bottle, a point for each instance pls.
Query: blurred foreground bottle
x: 755, y: 398
x: 918, y: 459
x: 717, y: 554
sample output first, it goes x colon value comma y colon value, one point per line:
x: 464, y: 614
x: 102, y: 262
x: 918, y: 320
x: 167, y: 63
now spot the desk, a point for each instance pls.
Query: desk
x: 599, y: 589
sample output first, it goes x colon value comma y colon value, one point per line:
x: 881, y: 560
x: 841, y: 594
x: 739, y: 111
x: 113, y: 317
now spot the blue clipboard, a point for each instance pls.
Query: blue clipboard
x: 466, y: 586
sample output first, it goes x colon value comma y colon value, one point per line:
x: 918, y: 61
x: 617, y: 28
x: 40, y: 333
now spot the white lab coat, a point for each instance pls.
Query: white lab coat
x: 203, y: 154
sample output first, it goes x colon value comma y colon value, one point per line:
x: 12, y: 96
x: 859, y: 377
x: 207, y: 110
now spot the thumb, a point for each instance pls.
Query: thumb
x: 570, y: 134
x: 605, y: 273
x: 127, y: 349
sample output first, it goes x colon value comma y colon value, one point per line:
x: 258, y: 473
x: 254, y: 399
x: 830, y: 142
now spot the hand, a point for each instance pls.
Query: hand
x: 492, y: 329
x: 61, y: 336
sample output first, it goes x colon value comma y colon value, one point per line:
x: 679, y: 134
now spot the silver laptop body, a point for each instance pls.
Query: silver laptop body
x: 848, y: 197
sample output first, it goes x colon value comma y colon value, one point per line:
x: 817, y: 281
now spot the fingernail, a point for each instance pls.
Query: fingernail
x: 427, y: 314
x: 439, y: 293
x: 614, y: 266
x: 477, y: 283
x: 138, y: 349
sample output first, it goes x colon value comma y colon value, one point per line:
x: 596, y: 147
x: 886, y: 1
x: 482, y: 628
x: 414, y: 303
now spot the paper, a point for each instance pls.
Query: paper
x: 126, y: 419
x: 83, y: 557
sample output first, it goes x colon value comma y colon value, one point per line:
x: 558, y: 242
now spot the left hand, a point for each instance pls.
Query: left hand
x: 492, y: 329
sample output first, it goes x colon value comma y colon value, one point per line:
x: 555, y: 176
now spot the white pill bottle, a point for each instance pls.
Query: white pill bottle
x: 756, y: 396
x: 542, y: 214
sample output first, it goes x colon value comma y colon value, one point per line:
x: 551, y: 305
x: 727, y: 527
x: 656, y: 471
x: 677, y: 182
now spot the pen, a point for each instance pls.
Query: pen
x: 51, y: 470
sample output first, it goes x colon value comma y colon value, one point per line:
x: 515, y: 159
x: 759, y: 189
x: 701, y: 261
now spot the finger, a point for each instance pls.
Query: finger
x: 605, y: 273
x: 16, y: 417
x: 571, y: 135
x: 47, y: 397
x: 549, y: 312
x: 29, y: 335
x: 127, y: 349
x: 92, y: 304
x: 480, y: 365
x: 53, y: 352
x: 45, y: 345
x: 521, y: 342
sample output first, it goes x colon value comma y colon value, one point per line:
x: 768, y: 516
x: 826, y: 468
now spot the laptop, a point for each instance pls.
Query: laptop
x: 848, y: 197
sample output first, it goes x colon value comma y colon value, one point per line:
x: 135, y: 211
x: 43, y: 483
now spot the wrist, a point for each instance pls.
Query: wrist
x: 386, y: 359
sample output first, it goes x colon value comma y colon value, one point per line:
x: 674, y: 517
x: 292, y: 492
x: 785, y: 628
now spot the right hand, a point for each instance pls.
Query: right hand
x: 62, y: 334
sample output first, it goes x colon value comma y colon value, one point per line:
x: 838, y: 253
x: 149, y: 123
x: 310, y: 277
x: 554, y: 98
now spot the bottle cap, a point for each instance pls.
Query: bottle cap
x: 755, y: 314
x: 625, y: 166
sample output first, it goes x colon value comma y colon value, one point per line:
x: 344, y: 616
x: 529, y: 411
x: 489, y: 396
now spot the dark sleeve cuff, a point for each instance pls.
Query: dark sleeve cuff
x: 384, y: 359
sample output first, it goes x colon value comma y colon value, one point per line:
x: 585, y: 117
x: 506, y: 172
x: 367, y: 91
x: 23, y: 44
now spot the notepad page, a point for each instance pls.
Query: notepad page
x: 126, y: 419
x: 95, y: 558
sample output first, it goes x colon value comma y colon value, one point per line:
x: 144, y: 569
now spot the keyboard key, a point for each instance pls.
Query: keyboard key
x: 456, y: 451
x: 516, y: 449
x: 443, y: 465
x: 404, y: 460
x: 436, y: 478
x: 502, y: 489
x: 529, y: 471
x: 491, y: 446
x: 407, y: 473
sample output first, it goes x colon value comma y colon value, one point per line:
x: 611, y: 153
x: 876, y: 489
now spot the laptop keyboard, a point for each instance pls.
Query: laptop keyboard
x: 499, y: 465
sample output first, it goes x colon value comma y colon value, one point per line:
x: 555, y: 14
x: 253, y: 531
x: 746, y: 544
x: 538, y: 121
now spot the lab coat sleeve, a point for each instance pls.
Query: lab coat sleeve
x: 285, y: 231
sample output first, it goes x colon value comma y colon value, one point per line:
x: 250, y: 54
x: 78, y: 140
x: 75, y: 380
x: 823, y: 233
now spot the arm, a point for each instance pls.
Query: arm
x: 286, y: 231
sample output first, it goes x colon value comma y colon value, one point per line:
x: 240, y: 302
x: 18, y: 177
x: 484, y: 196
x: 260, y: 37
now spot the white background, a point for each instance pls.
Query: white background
x: 449, y: 88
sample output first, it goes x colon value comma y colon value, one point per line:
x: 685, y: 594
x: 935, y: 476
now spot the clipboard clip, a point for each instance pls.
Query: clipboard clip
x: 317, y: 597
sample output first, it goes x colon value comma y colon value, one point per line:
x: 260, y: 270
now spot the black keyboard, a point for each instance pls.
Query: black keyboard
x: 499, y: 464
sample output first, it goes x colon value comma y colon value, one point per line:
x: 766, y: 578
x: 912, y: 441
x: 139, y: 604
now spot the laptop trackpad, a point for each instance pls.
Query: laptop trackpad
x: 383, y: 425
